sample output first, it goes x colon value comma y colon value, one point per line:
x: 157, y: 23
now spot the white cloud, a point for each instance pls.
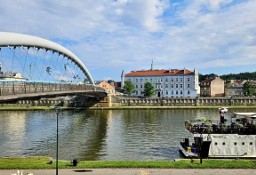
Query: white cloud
x: 127, y: 34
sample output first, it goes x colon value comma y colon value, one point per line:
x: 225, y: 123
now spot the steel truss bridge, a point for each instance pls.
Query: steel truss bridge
x: 33, y: 67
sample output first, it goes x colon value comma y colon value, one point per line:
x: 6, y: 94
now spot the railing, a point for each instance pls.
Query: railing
x: 23, y: 87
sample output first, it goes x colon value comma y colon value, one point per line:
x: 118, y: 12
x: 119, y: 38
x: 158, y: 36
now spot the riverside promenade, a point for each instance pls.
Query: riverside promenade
x: 131, y: 171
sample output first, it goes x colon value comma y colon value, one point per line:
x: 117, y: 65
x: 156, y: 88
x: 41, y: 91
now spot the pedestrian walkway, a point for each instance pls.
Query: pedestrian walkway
x: 109, y: 171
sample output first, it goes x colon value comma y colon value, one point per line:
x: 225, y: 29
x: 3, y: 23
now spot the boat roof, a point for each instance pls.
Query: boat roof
x: 244, y: 114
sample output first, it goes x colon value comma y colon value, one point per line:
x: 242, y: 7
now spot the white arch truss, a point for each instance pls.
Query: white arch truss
x: 15, y: 39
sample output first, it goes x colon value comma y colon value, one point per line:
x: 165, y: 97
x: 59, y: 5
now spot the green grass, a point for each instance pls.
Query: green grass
x: 42, y: 163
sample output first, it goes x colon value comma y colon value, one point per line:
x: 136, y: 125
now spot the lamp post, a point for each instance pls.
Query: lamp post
x: 57, y: 110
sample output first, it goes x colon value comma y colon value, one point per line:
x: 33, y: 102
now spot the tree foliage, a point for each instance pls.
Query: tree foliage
x: 149, y: 89
x: 128, y: 87
x: 239, y: 76
x: 228, y: 77
x: 248, y: 88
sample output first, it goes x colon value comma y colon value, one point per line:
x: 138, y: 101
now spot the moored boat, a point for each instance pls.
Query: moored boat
x: 232, y: 138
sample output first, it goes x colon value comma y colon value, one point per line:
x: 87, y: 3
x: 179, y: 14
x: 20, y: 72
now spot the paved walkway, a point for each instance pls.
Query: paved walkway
x: 109, y: 171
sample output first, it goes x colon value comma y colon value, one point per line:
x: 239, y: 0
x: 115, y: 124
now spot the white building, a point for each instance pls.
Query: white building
x: 172, y: 83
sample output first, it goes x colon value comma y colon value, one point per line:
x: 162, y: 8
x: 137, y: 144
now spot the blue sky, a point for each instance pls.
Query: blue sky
x: 213, y: 36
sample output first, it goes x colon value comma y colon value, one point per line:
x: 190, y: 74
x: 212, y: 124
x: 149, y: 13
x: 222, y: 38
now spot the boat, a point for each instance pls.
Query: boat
x: 232, y: 136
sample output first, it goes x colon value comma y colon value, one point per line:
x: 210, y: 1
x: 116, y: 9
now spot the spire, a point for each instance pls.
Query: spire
x: 151, y: 65
x: 122, y: 79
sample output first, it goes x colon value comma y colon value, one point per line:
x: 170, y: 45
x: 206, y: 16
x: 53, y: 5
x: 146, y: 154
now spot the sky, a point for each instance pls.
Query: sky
x: 109, y: 36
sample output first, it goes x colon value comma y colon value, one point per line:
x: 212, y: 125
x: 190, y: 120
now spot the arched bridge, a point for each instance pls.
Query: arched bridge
x: 33, y: 67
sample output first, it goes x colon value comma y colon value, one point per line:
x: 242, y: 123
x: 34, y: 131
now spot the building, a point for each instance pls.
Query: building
x: 235, y: 88
x: 212, y: 87
x: 108, y: 88
x: 172, y: 83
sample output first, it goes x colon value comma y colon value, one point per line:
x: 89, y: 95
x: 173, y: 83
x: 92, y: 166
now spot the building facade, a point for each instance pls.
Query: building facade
x: 172, y: 83
x: 108, y: 88
x: 213, y: 87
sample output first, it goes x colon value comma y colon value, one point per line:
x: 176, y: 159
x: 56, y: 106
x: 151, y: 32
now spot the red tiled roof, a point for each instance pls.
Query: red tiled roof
x: 146, y: 73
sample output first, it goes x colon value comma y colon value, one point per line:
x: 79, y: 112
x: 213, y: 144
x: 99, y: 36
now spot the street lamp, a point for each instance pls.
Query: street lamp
x: 57, y: 110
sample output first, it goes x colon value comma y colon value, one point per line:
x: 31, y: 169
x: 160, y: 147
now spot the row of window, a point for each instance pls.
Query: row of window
x: 166, y: 86
x: 166, y: 92
x: 159, y: 80
x: 235, y: 143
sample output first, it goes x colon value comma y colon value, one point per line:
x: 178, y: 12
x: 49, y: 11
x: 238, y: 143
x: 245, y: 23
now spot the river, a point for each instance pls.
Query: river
x: 98, y: 134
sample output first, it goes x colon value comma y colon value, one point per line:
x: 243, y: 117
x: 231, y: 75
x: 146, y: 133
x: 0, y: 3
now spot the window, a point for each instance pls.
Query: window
x: 180, y: 92
x: 188, y: 92
x: 166, y: 92
x: 188, y: 85
x: 166, y: 85
x: 171, y: 85
x: 180, y: 85
x: 136, y: 86
x: 177, y: 79
x: 136, y: 80
x: 141, y: 86
x: 177, y: 85
x: 166, y: 79
x: 177, y: 92
x: 188, y: 79
x: 180, y: 79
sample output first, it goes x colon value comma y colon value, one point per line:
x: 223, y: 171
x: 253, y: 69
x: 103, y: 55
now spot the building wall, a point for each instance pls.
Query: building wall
x: 168, y: 86
x: 109, y: 89
x: 217, y: 88
x: 212, y: 88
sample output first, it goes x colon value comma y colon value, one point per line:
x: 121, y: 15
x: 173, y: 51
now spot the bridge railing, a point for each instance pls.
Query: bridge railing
x: 23, y: 87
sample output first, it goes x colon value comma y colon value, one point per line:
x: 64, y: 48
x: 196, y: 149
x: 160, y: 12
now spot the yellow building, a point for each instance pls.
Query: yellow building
x: 213, y: 87
x: 108, y: 88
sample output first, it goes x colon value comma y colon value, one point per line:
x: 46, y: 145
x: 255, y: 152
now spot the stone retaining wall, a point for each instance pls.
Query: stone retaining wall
x: 202, y: 101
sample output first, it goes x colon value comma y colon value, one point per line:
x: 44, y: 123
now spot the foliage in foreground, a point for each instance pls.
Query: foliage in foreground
x: 43, y: 163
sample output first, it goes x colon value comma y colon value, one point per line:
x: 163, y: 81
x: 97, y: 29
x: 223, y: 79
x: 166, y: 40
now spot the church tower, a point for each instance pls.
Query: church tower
x: 122, y: 80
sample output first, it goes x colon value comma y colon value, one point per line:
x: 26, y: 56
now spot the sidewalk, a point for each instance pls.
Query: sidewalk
x: 109, y: 171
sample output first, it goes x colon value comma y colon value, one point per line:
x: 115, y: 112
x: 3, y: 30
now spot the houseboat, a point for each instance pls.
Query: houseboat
x: 234, y: 136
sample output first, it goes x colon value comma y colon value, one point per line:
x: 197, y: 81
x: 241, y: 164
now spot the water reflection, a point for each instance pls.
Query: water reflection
x: 97, y: 134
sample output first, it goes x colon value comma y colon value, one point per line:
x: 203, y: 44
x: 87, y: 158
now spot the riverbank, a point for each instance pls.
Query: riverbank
x: 48, y: 163
x: 31, y: 108
x: 133, y: 171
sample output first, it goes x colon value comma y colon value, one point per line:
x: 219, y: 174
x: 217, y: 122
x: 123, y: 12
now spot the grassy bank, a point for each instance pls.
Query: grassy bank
x: 43, y: 163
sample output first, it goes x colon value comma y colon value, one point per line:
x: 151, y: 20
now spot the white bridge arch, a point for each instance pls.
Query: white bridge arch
x: 15, y: 39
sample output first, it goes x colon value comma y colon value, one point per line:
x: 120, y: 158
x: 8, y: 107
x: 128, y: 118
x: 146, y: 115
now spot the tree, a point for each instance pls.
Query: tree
x: 248, y: 88
x: 128, y: 87
x: 149, y: 89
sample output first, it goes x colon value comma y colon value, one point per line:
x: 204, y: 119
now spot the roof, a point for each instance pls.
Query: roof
x: 210, y: 80
x: 162, y: 72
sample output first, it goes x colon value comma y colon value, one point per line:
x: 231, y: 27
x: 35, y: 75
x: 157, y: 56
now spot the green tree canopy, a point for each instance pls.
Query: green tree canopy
x: 128, y: 87
x: 248, y: 88
x: 149, y: 89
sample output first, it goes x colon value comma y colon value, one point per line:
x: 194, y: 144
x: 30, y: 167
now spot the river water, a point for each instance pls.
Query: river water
x: 98, y: 134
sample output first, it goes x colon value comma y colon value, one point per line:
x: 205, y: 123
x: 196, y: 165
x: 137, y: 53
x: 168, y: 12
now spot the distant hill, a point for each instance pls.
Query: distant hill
x: 228, y: 77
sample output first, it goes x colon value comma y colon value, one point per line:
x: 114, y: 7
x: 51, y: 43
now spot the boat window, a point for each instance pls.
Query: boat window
x: 242, y: 143
x: 235, y: 143
x: 223, y: 143
x: 216, y: 143
x: 250, y: 143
